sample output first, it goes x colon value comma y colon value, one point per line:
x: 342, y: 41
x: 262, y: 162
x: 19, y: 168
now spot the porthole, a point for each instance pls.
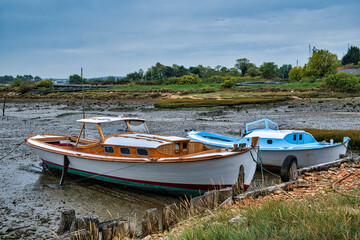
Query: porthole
x: 269, y: 141
x: 294, y: 137
x: 125, y: 151
x: 143, y: 152
x: 300, y: 137
x: 109, y: 149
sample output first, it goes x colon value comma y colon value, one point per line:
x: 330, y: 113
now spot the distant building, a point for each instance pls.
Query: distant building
x: 60, y: 81
x: 352, y: 70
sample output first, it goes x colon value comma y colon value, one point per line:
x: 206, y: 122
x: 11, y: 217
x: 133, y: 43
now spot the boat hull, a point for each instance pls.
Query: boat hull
x: 183, y: 177
x: 305, y: 157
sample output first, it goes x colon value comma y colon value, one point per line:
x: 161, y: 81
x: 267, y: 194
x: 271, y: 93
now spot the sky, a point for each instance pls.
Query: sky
x: 56, y: 38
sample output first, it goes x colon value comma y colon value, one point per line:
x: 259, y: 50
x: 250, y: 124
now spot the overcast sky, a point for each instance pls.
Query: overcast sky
x: 55, y: 38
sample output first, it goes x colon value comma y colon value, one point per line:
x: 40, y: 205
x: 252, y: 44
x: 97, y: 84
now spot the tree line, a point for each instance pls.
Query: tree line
x: 321, y: 64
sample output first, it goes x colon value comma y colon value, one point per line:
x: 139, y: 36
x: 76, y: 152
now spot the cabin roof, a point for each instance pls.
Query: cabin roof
x: 95, y: 120
x: 275, y: 134
x: 142, y: 140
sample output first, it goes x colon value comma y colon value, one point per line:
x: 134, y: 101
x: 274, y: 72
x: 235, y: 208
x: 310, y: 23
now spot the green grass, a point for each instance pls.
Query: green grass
x: 332, y: 217
x: 190, y: 103
x: 285, y: 86
x: 133, y: 87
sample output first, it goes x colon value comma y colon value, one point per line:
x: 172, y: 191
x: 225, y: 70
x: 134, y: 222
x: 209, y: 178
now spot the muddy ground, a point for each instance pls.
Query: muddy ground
x: 30, y: 199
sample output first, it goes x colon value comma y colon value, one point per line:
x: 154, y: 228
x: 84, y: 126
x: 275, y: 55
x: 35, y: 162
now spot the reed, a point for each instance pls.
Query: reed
x: 190, y: 103
x: 334, y: 216
x: 337, y: 135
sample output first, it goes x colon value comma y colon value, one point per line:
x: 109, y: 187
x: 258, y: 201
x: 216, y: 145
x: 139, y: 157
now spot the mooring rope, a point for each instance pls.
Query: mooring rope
x: 6, y: 155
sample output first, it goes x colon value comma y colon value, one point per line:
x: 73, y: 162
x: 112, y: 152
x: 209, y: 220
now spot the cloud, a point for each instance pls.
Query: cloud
x: 117, y: 37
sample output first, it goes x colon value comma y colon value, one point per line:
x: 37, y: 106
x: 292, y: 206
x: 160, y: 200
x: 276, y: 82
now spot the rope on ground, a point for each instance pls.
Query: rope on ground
x: 6, y: 155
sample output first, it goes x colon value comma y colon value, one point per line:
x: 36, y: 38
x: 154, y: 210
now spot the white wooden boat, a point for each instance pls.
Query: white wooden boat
x: 126, y: 153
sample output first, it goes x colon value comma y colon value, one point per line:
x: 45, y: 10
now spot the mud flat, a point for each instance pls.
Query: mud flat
x: 31, y: 201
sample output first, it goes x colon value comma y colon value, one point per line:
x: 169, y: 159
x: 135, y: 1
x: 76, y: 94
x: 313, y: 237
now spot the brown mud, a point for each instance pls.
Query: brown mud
x: 31, y: 200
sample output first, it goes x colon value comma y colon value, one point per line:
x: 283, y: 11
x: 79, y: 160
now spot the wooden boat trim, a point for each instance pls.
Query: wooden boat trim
x: 204, y: 155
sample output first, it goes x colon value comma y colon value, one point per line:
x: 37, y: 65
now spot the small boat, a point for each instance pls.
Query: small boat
x: 280, y: 149
x: 126, y: 153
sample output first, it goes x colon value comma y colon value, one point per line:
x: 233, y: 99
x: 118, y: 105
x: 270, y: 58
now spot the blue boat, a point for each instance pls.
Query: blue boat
x: 280, y: 149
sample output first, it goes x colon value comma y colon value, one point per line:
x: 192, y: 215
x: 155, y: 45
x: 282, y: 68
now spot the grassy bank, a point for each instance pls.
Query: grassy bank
x: 334, y: 216
x: 337, y: 135
x: 189, y: 103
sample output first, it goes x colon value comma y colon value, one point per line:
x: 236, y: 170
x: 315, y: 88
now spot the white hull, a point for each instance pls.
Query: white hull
x: 305, y: 157
x: 182, y: 176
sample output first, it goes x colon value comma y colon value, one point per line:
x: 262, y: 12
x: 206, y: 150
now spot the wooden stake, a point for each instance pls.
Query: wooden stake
x: 65, y: 168
x: 4, y: 106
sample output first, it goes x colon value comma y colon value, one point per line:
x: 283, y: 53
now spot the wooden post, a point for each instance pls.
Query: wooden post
x: 239, y: 185
x: 65, y: 168
x: 4, y: 106
x: 67, y: 220
x: 150, y: 222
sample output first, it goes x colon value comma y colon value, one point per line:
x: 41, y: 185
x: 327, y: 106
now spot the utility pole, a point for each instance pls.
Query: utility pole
x: 83, y: 98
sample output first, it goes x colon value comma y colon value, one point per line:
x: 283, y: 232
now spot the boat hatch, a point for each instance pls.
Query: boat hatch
x: 181, y: 147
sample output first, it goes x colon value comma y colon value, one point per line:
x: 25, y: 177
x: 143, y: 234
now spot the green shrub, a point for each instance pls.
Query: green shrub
x: 310, y: 79
x: 189, y: 79
x: 26, y: 86
x: 16, y: 82
x: 46, y: 83
x: 207, y: 89
x: 342, y: 82
x: 227, y: 84
x: 296, y: 73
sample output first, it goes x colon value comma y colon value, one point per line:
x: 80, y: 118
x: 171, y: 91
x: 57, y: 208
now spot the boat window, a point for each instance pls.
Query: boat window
x: 177, y: 146
x: 300, y: 137
x: 109, y: 149
x: 111, y: 128
x: 91, y: 131
x: 294, y: 137
x: 142, y: 152
x: 138, y: 126
x: 184, y: 145
x: 269, y: 141
x: 125, y: 151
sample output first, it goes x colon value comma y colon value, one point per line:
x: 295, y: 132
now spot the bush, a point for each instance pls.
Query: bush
x: 189, y: 79
x: 296, y: 73
x: 207, y: 89
x: 342, y: 82
x: 47, y: 83
x: 16, y: 82
x: 26, y: 86
x: 227, y: 84
x: 310, y: 79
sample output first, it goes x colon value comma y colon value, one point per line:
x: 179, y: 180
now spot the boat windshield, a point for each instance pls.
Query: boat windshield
x: 263, y: 124
x: 111, y: 128
x: 115, y: 127
x: 138, y: 126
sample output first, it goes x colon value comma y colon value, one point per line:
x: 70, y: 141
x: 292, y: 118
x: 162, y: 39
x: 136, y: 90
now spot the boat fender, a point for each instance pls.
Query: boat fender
x: 288, y: 169
x: 153, y: 159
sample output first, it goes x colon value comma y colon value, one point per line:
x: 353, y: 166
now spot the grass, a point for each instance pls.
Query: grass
x: 285, y: 86
x: 334, y: 216
x: 189, y: 103
x: 337, y: 135
x: 134, y: 87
